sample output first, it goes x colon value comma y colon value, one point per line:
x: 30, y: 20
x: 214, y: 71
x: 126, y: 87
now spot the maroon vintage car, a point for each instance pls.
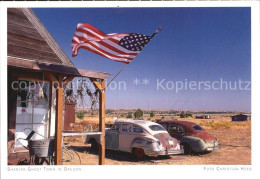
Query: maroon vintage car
x: 191, y: 135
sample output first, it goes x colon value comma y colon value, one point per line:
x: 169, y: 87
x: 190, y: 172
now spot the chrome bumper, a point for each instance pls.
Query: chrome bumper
x: 164, y: 152
x: 213, y: 148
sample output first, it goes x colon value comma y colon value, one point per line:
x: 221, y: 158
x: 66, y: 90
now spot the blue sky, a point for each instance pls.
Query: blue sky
x: 196, y: 44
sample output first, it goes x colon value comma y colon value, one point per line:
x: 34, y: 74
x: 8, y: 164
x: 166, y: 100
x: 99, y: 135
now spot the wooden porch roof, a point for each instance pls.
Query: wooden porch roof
x: 31, y: 46
x: 54, y: 68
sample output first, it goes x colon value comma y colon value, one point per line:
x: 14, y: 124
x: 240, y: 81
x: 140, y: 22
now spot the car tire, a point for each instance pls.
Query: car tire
x: 138, y: 153
x: 187, y: 148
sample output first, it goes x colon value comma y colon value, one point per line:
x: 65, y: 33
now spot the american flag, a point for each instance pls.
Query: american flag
x: 120, y: 47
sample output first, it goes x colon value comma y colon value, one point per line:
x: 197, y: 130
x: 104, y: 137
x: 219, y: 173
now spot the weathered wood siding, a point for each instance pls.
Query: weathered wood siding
x: 24, y: 41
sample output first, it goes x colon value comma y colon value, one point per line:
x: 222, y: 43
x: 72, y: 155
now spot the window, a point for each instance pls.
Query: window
x: 157, y: 128
x: 137, y: 129
x: 126, y: 128
x: 116, y: 127
x: 173, y: 128
x: 32, y: 111
x: 198, y: 127
x: 180, y: 129
x: 164, y: 125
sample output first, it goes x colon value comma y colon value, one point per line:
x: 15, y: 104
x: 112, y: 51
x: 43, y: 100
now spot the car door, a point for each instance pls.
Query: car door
x: 112, y: 137
x: 175, y: 131
x: 126, y: 137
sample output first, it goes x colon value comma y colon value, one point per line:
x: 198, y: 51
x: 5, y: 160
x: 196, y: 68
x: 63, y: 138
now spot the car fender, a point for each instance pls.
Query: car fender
x: 196, y: 144
x: 140, y: 142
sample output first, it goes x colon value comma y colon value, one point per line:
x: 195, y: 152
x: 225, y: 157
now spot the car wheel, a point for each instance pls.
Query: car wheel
x: 139, y: 153
x: 187, y: 148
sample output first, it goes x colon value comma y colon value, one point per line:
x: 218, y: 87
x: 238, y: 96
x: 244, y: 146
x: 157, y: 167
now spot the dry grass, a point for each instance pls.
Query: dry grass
x: 234, y: 137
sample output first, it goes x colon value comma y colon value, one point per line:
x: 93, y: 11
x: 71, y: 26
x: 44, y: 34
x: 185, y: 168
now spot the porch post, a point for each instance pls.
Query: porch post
x: 58, y: 122
x: 102, y: 123
x: 100, y: 86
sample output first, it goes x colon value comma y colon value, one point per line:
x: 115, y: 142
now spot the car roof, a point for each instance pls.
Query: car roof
x: 178, y: 122
x: 140, y: 122
x: 144, y: 124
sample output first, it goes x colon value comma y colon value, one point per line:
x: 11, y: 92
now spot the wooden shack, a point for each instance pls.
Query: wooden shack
x: 241, y: 117
x: 38, y: 72
x: 203, y: 117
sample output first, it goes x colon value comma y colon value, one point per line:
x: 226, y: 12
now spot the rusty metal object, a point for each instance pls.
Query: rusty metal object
x: 191, y: 135
x: 69, y: 116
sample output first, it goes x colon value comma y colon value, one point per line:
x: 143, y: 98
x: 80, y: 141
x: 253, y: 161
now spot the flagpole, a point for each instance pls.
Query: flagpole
x: 158, y: 30
x: 154, y: 34
x: 116, y: 75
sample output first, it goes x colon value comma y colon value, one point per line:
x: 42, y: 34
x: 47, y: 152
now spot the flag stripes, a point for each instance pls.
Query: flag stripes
x: 106, y: 45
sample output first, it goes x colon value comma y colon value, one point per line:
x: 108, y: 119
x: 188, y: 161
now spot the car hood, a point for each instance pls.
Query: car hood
x: 164, y: 138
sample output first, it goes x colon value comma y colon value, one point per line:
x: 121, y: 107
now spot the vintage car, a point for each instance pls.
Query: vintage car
x: 191, y: 135
x: 138, y: 137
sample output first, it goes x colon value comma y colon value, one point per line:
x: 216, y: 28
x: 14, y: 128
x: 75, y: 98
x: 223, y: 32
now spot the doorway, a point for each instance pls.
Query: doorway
x: 32, y: 111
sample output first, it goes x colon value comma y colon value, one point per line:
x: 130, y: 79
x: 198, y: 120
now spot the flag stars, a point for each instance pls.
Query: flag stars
x: 134, y: 41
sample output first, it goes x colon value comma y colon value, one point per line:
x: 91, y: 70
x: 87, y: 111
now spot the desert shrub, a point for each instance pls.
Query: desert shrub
x: 217, y: 125
x: 182, y: 115
x: 129, y: 115
x: 80, y: 115
x: 109, y: 111
x: 185, y: 114
x: 188, y: 114
x: 138, y: 113
x: 152, y: 114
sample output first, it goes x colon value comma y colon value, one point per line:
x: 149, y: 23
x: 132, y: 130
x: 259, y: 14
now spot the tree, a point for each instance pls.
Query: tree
x: 185, y: 114
x: 138, y: 113
x: 182, y: 115
x: 188, y: 114
x: 129, y: 115
x: 80, y: 115
x: 152, y: 114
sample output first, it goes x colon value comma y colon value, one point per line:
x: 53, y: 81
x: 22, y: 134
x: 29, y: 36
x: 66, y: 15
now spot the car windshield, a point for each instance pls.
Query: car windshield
x: 198, y: 127
x: 157, y: 128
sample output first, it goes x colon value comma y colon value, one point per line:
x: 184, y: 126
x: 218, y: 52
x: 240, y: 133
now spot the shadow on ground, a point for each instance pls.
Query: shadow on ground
x: 118, y: 155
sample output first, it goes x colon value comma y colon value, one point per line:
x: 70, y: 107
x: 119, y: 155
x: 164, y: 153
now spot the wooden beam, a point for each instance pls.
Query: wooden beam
x: 96, y: 84
x: 50, y: 76
x: 67, y: 80
x: 50, y: 108
x: 12, y: 102
x: 93, y: 74
x: 58, y: 122
x: 102, y: 123
x: 54, y: 68
x: 100, y: 85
